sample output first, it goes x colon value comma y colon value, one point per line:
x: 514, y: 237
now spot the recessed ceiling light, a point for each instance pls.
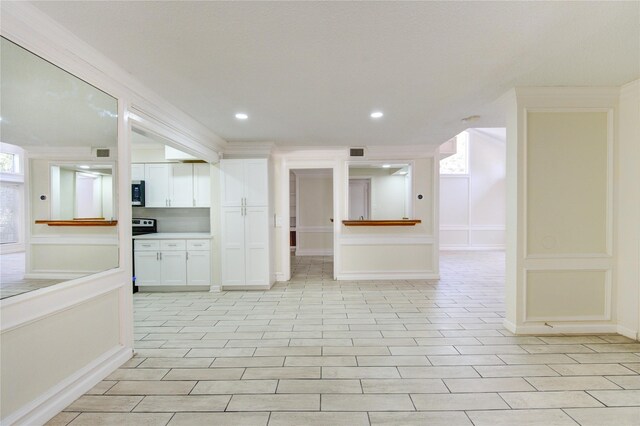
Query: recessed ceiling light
x: 84, y: 167
x: 471, y: 119
x: 376, y: 114
x: 386, y: 166
x: 241, y: 116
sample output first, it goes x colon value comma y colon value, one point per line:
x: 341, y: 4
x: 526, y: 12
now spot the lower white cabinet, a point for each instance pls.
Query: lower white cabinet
x: 172, y: 262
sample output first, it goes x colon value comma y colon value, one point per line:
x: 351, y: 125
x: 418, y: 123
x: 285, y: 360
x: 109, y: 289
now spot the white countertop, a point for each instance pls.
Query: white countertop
x: 174, y: 236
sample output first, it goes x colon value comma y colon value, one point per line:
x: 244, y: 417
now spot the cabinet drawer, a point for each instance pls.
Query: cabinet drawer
x: 172, y: 245
x: 198, y: 244
x: 146, y: 245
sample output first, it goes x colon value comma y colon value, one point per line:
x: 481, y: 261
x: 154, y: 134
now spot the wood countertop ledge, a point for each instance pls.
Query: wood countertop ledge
x: 77, y: 222
x: 399, y: 222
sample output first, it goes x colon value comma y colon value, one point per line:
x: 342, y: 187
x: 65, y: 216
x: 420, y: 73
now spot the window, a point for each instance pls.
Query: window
x: 8, y: 163
x: 10, y: 212
x: 458, y: 163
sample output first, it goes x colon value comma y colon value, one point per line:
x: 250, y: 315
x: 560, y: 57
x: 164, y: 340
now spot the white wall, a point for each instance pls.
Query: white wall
x: 473, y: 206
x: 627, y: 211
x: 314, y: 211
x: 560, y: 167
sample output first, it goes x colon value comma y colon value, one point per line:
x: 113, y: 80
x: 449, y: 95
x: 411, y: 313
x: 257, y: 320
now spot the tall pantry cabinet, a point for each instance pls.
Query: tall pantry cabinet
x: 244, y: 216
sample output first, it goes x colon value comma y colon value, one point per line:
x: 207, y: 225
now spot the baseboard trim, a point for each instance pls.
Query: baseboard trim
x: 172, y: 288
x: 541, y: 329
x: 472, y: 248
x: 246, y: 287
x: 360, y: 276
x: 56, y: 275
x: 280, y: 277
x: 509, y: 326
x: 57, y: 398
x: 627, y: 332
x: 215, y: 289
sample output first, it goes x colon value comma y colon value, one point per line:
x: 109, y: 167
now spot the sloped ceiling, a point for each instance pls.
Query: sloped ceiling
x: 310, y: 73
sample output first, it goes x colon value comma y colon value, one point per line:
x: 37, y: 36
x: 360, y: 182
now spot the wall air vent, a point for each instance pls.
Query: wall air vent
x: 356, y: 152
x: 102, y: 152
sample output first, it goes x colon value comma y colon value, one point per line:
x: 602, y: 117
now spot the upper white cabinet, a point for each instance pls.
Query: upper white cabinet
x: 202, y: 185
x: 175, y: 184
x: 244, y: 182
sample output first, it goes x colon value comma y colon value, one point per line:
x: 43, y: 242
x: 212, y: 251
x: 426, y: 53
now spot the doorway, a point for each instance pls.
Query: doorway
x: 359, y: 199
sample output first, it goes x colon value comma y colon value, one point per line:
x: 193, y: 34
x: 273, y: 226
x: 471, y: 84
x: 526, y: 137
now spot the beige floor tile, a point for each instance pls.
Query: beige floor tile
x: 278, y: 402
x: 562, y: 340
x: 319, y: 419
x: 289, y: 351
x: 282, y: 373
x: 62, y: 419
x: 490, y: 349
x: 635, y: 366
x: 104, y: 403
x: 204, y: 374
x: 618, y: 398
x: 385, y: 342
x: 157, y: 404
x: 520, y: 418
x: 399, y: 360
x: 465, y: 360
x: 603, y: 358
x: 437, y: 372
x: 388, y: 386
x: 457, y: 402
x: 220, y: 352
x: 445, y: 418
x: 322, y: 386
x: 138, y: 374
x: 359, y: 372
x: 219, y: 419
x: 230, y: 387
x: 332, y: 402
x: 423, y: 350
x: 571, y: 383
x: 121, y: 419
x: 176, y: 363
x: 590, y: 369
x: 515, y: 370
x: 263, y: 361
x: 101, y: 387
x: 161, y: 353
x: 320, y: 361
x: 626, y: 382
x: 155, y: 387
x: 512, y: 384
x: 356, y: 350
x: 257, y: 343
x: 555, y: 399
x: 556, y: 349
x: 616, y: 347
x: 627, y: 416
x: 537, y: 359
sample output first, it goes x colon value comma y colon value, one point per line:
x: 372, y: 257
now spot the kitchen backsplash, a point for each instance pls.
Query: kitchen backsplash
x: 176, y: 219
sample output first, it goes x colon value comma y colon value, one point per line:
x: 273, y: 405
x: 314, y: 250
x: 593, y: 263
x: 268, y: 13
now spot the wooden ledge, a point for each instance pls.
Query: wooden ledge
x: 77, y: 222
x: 399, y: 222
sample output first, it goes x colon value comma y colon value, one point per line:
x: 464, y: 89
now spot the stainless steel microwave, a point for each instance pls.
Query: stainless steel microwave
x: 137, y: 193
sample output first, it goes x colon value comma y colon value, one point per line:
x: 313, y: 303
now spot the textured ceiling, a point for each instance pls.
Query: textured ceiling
x: 309, y: 73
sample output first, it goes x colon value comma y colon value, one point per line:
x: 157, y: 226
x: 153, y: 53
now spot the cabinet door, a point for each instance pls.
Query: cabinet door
x: 202, y: 185
x: 137, y: 172
x: 256, y: 182
x: 198, y: 268
x: 173, y: 267
x: 232, y: 246
x: 156, y: 185
x: 231, y: 182
x: 147, y: 266
x: 181, y: 185
x: 257, y: 246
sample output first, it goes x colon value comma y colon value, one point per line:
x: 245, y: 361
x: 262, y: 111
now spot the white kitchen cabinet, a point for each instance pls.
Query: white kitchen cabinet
x: 157, y: 184
x: 181, y: 185
x: 137, y: 171
x: 201, y: 185
x: 244, y: 182
x: 174, y: 262
x: 245, y: 236
x: 177, y: 185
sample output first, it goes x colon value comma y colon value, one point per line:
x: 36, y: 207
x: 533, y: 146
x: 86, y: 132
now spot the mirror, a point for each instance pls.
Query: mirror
x: 66, y: 133
x: 81, y: 191
x: 380, y: 191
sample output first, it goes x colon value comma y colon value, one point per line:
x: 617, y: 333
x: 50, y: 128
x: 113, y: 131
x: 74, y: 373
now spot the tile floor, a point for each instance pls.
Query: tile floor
x: 12, y: 281
x: 318, y: 352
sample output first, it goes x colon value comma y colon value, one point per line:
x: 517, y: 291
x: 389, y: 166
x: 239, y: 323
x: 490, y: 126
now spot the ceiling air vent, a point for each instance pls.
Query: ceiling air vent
x: 356, y: 152
x: 103, y: 152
